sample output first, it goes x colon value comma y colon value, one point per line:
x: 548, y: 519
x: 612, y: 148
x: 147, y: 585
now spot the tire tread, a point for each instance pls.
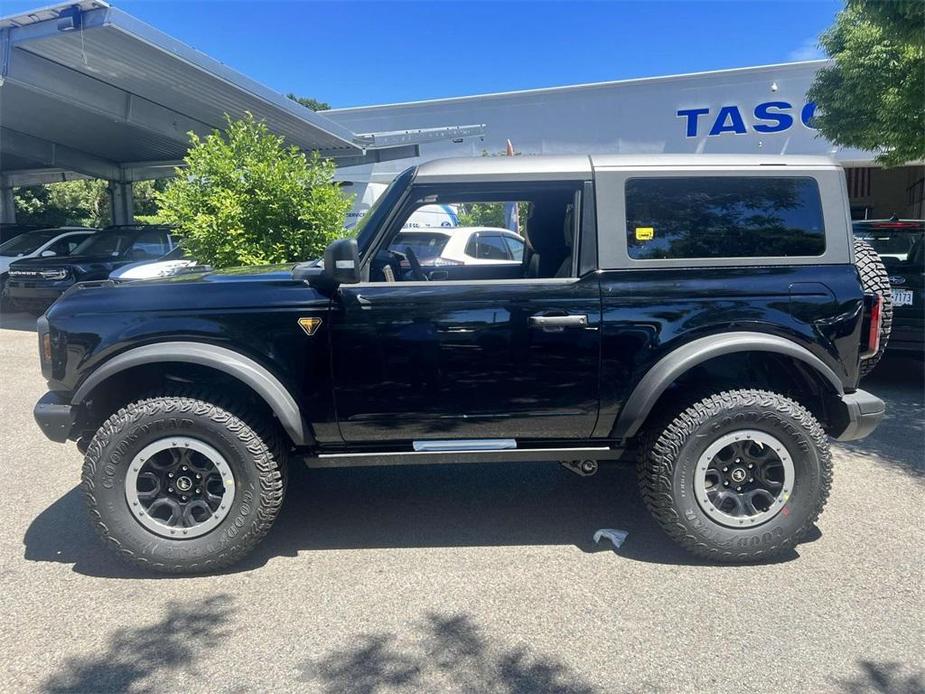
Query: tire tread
x: 260, y: 439
x: 657, y: 467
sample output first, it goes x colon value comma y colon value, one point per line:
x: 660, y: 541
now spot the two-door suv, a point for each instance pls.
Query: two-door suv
x: 700, y: 316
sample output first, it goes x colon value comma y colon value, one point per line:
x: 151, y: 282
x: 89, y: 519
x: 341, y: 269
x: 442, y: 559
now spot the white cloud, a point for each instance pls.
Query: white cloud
x: 808, y: 50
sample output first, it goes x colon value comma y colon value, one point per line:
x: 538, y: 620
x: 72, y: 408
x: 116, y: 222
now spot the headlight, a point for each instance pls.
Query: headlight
x: 56, y: 274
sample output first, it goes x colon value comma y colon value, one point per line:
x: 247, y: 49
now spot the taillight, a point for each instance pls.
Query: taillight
x: 873, y: 331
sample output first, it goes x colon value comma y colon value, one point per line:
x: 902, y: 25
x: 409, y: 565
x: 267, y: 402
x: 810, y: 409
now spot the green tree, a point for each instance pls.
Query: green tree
x: 308, y: 102
x: 245, y: 198
x: 873, y: 95
x: 490, y: 214
x: 83, y: 202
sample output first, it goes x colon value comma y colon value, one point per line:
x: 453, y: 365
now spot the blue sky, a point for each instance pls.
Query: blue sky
x: 357, y: 53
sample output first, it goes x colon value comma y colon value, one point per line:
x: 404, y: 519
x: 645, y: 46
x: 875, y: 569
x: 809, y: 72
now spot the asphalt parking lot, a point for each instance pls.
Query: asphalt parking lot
x: 469, y: 578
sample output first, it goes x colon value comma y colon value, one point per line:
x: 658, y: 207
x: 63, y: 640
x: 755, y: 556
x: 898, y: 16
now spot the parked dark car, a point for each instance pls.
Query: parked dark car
x: 41, y: 243
x: 901, y: 245
x: 701, y: 317
x: 34, y: 284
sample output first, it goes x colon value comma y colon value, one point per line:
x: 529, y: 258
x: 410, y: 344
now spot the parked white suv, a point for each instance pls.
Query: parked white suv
x: 43, y: 243
x: 445, y: 247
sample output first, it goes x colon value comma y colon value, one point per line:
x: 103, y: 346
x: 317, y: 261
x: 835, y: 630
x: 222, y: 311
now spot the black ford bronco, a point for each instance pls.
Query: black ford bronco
x: 702, y: 317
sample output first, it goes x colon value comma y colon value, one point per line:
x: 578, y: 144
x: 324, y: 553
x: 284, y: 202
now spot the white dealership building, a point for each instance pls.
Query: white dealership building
x: 754, y: 110
x: 88, y: 90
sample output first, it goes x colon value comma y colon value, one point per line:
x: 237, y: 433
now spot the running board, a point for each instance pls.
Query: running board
x: 436, y: 457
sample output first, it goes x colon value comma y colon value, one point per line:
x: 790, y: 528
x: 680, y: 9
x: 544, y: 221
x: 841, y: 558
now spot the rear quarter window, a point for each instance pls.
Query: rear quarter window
x: 723, y: 217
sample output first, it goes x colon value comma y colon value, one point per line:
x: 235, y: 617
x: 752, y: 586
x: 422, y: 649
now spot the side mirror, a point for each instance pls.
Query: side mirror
x: 342, y: 262
x: 47, y: 253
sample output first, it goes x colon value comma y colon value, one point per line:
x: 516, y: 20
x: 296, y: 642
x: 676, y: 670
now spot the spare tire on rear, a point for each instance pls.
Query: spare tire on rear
x: 874, y: 278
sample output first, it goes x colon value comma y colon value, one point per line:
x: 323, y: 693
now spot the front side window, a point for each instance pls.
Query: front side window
x: 505, y: 231
x: 723, y: 217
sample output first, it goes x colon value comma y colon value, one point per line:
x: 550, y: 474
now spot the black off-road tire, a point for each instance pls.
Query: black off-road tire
x: 250, y: 445
x: 666, y: 475
x: 874, y: 278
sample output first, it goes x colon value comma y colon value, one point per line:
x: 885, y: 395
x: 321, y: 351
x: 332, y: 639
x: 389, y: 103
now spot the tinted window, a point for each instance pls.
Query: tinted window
x: 67, y: 245
x: 487, y: 247
x: 26, y: 243
x: 723, y: 217
x: 151, y: 243
x: 516, y: 248
x: 891, y: 240
x: 426, y: 246
x: 492, y: 247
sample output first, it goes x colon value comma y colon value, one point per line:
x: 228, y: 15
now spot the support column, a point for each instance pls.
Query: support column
x: 123, y: 205
x: 7, y: 206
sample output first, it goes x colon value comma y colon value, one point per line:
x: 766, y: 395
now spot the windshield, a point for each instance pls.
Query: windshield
x: 425, y: 245
x: 26, y: 243
x: 114, y: 243
x: 372, y: 220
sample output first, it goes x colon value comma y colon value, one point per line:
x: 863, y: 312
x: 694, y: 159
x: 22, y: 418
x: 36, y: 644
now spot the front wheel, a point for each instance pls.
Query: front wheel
x: 739, y: 476
x: 182, y: 485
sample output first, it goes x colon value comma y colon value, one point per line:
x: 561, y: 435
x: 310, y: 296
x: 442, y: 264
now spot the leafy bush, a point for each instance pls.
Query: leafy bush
x: 244, y: 198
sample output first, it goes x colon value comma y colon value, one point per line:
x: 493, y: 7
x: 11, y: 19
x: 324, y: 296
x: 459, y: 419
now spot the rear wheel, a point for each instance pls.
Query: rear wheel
x: 739, y: 476
x: 182, y: 485
x: 874, y: 278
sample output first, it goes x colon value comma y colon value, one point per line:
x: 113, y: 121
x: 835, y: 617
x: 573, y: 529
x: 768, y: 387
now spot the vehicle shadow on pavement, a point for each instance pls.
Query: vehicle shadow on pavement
x: 884, y: 678
x: 477, y: 505
x: 446, y: 652
x: 136, y: 658
x: 897, y: 442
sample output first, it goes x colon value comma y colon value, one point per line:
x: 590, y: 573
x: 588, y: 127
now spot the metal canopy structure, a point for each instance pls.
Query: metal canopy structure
x: 87, y: 90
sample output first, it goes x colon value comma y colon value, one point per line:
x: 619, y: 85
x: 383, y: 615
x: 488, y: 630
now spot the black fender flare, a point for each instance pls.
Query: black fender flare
x: 235, y: 364
x: 674, y: 364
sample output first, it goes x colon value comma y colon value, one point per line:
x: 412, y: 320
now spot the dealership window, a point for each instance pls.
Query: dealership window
x: 723, y: 217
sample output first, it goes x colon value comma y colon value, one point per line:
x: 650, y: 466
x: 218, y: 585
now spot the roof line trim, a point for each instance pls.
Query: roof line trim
x: 582, y: 86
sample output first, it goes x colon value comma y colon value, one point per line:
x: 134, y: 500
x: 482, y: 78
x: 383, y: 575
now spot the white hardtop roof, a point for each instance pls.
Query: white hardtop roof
x: 564, y: 167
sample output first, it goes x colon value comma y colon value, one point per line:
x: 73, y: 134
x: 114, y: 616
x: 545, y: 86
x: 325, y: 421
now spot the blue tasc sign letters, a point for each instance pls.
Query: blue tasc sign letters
x: 769, y: 117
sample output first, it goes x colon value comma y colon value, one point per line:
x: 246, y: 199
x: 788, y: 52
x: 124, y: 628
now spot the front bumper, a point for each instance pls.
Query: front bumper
x: 864, y: 412
x: 35, y: 292
x: 55, y: 416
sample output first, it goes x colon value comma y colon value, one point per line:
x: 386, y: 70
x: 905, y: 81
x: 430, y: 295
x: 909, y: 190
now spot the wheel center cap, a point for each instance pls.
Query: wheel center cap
x: 184, y: 484
x: 738, y: 475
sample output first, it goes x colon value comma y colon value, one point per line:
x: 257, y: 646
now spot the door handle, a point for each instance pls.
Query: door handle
x: 555, y: 324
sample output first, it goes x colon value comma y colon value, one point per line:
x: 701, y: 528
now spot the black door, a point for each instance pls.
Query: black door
x: 461, y: 360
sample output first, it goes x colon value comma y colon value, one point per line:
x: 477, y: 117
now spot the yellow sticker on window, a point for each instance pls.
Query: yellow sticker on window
x: 645, y: 233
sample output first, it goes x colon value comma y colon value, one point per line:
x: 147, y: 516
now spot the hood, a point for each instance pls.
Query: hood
x: 264, y: 287
x: 265, y: 273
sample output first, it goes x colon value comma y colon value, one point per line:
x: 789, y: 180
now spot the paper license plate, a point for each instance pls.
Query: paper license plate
x: 902, y: 297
